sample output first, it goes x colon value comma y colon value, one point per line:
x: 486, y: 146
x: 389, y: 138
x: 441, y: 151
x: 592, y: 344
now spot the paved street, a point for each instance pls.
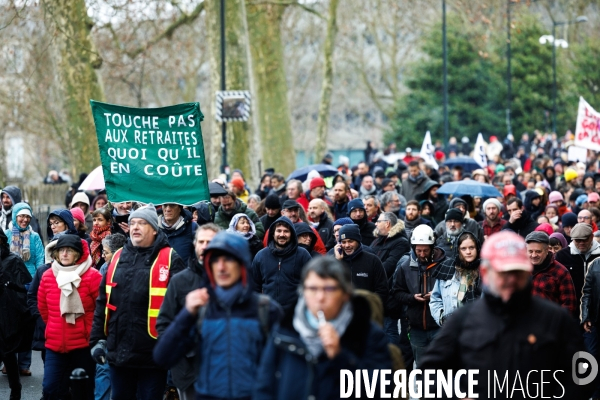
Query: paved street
x: 32, y: 385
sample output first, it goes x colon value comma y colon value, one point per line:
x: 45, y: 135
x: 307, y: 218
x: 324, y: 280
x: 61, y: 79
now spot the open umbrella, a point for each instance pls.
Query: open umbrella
x: 215, y: 189
x: 473, y: 188
x: 468, y: 164
x: 323, y: 169
x: 94, y: 181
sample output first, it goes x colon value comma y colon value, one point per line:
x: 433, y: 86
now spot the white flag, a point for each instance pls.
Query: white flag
x: 587, y: 130
x: 479, y: 152
x: 427, y: 151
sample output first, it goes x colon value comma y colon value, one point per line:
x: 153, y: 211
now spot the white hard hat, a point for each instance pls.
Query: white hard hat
x: 422, y: 234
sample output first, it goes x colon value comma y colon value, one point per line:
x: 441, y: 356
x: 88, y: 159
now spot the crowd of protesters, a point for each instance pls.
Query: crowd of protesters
x: 269, y: 293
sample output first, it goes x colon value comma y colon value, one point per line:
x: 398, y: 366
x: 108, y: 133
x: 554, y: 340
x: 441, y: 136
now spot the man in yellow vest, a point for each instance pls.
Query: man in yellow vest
x: 131, y: 293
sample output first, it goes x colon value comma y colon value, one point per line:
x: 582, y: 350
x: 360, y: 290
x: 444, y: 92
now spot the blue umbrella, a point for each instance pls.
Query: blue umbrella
x: 473, y: 188
x: 323, y: 169
x: 467, y: 163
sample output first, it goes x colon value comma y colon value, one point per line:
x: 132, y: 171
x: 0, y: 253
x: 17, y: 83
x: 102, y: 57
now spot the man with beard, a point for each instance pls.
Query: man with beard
x: 366, y: 268
x: 273, y: 209
x: 276, y: 269
x: 440, y: 204
x: 415, y: 183
x: 551, y: 280
x: 520, y: 220
x: 341, y: 197
x: 367, y: 187
x: 391, y: 202
x: 277, y: 185
x: 318, y: 218
x: 469, y: 225
x: 493, y: 222
x: 317, y: 191
x: 454, y: 227
x: 412, y: 217
x: 358, y: 215
x: 372, y: 207
x: 230, y: 206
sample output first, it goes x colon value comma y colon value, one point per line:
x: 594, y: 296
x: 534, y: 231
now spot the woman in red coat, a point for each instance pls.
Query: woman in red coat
x: 66, y: 300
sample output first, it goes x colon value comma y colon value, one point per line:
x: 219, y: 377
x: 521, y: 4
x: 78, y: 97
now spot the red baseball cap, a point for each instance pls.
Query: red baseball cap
x: 317, y: 182
x: 506, y: 251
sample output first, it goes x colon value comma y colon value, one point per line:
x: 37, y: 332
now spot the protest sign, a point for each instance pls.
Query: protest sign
x: 577, y: 154
x: 427, y: 151
x: 479, y: 152
x: 587, y: 131
x: 152, y: 155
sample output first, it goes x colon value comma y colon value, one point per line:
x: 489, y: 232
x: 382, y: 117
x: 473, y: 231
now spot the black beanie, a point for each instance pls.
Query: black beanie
x: 455, y: 214
x: 72, y: 241
x: 350, y: 231
x: 272, y: 202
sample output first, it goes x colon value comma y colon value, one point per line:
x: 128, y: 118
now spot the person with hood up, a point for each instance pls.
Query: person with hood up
x: 454, y: 227
x: 242, y: 225
x: 230, y: 206
x: 66, y: 301
x: 192, y: 278
x: 520, y: 220
x: 306, y: 238
x: 469, y: 224
x: 358, y: 215
x: 15, y: 332
x: 81, y: 200
x: 225, y: 322
x: 367, y: 270
x: 412, y: 285
x: 556, y: 243
x: 328, y: 330
x: 457, y: 280
x: 124, y: 329
x: 22, y: 240
x: 176, y: 222
x: 439, y: 202
x: 11, y: 195
x: 415, y: 183
x: 533, y: 203
x: 276, y: 268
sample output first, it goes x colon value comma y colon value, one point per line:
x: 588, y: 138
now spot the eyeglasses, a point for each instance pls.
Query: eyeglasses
x: 327, y: 290
x: 583, y: 218
x: 136, y: 223
x: 381, y: 220
x: 66, y: 250
x: 24, y: 216
x: 55, y: 223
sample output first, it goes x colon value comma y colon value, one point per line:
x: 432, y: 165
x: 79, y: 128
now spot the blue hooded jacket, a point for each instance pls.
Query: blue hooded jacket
x: 66, y: 216
x: 230, y: 338
x: 276, y: 272
x: 36, y: 247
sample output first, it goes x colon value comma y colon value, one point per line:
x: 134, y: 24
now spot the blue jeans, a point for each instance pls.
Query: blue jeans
x: 24, y: 359
x: 390, y: 326
x: 590, y: 339
x: 134, y: 383
x: 57, y: 372
x: 102, y: 390
x: 419, y: 340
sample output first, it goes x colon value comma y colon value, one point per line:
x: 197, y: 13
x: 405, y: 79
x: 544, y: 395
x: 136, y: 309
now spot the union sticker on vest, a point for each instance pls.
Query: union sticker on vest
x: 163, y: 273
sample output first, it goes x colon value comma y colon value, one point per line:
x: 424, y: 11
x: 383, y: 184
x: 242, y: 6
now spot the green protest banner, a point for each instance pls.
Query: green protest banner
x: 152, y: 155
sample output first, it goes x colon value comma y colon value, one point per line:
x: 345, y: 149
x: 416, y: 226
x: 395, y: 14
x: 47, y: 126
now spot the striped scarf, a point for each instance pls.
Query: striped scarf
x: 98, y: 234
x: 21, y: 242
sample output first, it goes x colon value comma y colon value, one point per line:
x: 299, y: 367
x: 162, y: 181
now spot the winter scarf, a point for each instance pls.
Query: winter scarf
x: 230, y: 295
x: 5, y: 219
x: 68, y: 279
x: 20, y: 243
x: 308, y: 326
x: 364, y: 192
x: 178, y: 224
x: 417, y: 178
x: 98, y: 234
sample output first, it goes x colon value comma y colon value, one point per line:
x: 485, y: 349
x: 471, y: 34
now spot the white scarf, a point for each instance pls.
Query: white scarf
x: 68, y: 279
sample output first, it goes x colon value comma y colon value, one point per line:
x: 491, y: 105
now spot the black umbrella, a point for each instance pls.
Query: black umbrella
x: 468, y: 164
x: 323, y: 169
x: 216, y: 190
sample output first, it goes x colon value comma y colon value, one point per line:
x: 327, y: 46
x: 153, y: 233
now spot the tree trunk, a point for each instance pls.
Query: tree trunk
x: 239, y: 134
x: 327, y: 85
x: 77, y: 61
x: 264, y: 32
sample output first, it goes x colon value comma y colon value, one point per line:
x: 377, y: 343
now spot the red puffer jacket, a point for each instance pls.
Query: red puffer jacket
x: 61, y: 336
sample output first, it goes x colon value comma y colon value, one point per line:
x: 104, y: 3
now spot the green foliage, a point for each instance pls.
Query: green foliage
x: 585, y: 71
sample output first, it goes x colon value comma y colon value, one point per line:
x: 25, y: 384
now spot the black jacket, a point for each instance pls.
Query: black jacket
x: 325, y: 228
x: 523, y: 226
x: 526, y: 334
x: 410, y: 278
x: 366, y: 230
x: 368, y: 273
x: 267, y: 221
x: 391, y: 248
x: 182, y: 238
x: 191, y: 278
x: 128, y: 342
x: 287, y: 371
x: 577, y: 265
x: 276, y: 272
x: 39, y: 334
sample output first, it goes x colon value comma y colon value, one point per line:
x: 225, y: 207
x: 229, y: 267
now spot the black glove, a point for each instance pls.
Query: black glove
x: 99, y: 352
